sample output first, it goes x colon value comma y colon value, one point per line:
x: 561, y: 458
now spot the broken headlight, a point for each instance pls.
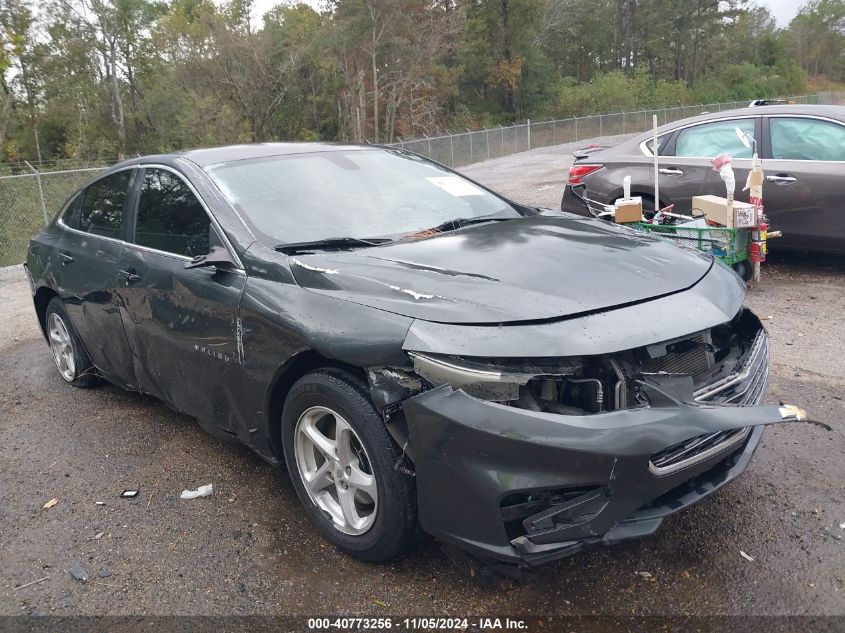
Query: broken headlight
x: 499, y: 380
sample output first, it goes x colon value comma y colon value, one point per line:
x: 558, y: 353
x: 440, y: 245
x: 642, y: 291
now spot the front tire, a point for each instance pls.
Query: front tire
x: 72, y: 360
x: 342, y: 463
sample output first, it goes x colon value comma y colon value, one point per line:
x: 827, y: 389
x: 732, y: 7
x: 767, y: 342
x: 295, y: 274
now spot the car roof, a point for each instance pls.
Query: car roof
x: 207, y: 156
x: 228, y: 153
x: 833, y: 111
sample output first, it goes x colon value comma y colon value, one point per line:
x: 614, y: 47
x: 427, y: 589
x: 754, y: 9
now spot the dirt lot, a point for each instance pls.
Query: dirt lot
x: 249, y: 549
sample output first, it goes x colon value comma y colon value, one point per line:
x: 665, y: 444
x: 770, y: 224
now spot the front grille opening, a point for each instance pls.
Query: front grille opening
x: 693, y: 450
x: 518, y: 506
x: 703, y: 482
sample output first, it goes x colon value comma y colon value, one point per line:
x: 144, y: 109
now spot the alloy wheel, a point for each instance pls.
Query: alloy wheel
x: 336, y: 470
x: 62, y: 346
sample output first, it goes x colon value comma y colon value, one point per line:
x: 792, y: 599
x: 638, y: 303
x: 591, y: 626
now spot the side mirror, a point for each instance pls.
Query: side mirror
x: 218, y: 257
x: 746, y: 139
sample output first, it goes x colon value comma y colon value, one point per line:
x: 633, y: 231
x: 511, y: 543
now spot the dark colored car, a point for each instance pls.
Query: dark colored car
x: 802, y: 150
x: 419, y: 351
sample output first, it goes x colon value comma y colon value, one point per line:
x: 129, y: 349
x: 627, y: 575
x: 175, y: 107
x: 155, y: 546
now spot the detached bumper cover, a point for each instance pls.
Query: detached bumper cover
x: 471, y: 454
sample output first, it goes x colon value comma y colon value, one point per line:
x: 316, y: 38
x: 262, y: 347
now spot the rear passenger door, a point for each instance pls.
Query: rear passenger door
x: 85, y: 263
x: 804, y: 196
x: 182, y: 322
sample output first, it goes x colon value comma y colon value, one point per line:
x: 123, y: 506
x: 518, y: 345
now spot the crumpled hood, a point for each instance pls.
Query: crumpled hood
x: 526, y: 269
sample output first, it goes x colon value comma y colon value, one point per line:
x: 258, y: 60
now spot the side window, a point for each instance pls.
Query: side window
x: 806, y: 139
x: 102, y: 206
x: 661, y: 143
x: 170, y: 218
x: 71, y: 214
x: 711, y: 139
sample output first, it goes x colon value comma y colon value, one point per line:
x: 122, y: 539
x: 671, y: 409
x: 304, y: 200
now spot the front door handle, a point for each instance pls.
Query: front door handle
x: 131, y: 276
x: 670, y: 171
x: 781, y: 179
x: 66, y: 258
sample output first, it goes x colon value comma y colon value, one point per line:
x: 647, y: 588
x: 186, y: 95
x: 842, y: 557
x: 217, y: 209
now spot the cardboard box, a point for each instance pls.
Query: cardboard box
x: 734, y: 215
x: 629, y: 210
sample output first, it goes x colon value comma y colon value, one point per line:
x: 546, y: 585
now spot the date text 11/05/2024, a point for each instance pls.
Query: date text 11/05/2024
x: 421, y: 623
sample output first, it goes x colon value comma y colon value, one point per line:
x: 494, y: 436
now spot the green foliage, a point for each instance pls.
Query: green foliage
x: 88, y: 79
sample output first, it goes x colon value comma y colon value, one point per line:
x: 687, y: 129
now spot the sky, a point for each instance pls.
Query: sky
x: 782, y: 10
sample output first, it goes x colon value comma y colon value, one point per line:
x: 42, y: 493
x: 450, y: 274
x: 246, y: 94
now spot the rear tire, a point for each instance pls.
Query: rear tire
x: 744, y: 269
x: 648, y: 205
x: 71, y: 359
x: 342, y: 462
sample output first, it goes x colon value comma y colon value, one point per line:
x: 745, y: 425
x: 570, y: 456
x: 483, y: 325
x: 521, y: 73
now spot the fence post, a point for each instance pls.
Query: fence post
x: 470, y: 146
x: 487, y: 132
x: 452, y: 150
x: 429, y: 144
x: 40, y: 192
x: 528, y: 127
x: 576, y: 127
x: 554, y: 132
x: 503, y: 139
x: 601, y: 125
x: 623, y: 123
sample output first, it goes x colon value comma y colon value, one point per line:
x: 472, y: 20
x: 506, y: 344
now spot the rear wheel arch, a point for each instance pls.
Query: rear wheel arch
x: 286, y: 375
x: 42, y: 299
x: 648, y: 198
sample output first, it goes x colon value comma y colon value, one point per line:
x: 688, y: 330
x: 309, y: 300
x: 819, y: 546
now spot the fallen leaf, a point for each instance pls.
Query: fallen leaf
x: 380, y: 603
x: 50, y: 503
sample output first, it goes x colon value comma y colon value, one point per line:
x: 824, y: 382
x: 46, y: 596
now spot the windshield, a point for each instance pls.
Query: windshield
x: 353, y: 193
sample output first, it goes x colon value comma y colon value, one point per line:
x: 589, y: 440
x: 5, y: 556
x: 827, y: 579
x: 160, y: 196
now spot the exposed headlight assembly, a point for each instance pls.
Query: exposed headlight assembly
x: 485, y: 378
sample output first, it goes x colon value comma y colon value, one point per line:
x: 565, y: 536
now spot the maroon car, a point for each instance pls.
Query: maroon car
x: 803, y: 154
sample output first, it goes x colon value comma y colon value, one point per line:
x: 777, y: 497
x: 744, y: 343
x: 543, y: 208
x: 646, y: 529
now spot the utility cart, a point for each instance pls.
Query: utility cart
x: 732, y: 246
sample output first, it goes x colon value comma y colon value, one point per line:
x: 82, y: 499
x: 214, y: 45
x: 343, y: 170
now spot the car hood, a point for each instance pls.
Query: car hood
x: 527, y: 269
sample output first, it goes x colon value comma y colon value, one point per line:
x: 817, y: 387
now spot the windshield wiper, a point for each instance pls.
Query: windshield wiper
x: 457, y: 223
x: 331, y: 244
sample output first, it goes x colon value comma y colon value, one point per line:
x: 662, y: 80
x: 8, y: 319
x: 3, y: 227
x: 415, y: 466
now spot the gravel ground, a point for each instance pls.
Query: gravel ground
x: 249, y: 549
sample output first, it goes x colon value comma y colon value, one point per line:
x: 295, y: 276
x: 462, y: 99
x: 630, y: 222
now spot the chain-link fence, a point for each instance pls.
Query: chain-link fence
x: 29, y: 201
x: 32, y: 194
x: 465, y: 148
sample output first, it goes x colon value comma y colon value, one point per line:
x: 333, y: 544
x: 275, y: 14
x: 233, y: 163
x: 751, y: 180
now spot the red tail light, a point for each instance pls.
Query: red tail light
x: 577, y: 172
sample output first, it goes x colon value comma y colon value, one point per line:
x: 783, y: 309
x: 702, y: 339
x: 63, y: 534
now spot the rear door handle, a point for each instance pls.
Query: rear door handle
x: 781, y: 179
x: 66, y: 258
x: 131, y: 276
x: 670, y: 171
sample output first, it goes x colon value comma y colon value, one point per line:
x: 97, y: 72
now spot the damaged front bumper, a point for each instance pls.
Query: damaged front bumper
x: 526, y: 487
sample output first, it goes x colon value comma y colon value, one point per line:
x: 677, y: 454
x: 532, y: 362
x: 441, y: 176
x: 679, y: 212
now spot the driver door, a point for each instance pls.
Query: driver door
x: 182, y: 323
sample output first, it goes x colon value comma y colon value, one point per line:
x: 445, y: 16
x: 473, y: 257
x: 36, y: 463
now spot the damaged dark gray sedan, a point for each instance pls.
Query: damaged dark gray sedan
x: 420, y: 352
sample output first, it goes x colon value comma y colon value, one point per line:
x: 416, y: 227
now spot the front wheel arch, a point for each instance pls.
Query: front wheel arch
x: 286, y: 375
